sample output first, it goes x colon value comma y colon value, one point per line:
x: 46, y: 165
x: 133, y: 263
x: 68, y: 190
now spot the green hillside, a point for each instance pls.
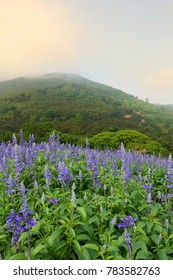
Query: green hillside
x: 74, y: 105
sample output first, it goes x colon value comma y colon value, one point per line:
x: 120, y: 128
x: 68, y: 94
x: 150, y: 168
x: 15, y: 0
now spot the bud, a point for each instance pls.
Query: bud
x: 159, y: 239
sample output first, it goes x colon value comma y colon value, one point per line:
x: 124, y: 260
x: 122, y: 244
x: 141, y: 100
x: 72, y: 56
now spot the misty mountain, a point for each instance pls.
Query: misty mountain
x: 75, y: 105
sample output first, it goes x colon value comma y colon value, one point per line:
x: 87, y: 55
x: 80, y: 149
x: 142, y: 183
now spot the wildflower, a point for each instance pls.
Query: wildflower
x: 64, y: 175
x: 169, y: 173
x: 36, y: 184
x: 73, y: 195
x: 148, y: 187
x: 149, y: 198
x: 11, y: 183
x: 159, y: 239
x: 112, y: 190
x: 54, y: 200
x: 43, y: 198
x: 27, y: 222
x: 113, y: 221
x: 80, y: 175
x: 127, y: 238
x: 22, y: 189
x: 18, y: 222
x: 17, y: 159
x: 14, y: 139
x: 47, y: 173
x: 127, y: 222
x: 105, y: 246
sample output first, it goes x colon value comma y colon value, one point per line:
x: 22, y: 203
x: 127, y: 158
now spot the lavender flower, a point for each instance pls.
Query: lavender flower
x: 14, y: 139
x: 128, y: 241
x: 11, y: 184
x: 64, y: 175
x: 36, y: 184
x: 127, y: 222
x: 18, y: 222
x: 54, y: 200
x: 169, y: 173
x: 149, y: 198
x: 148, y: 187
x: 127, y: 238
x: 47, y: 173
x: 113, y: 221
x: 80, y: 175
x: 73, y: 195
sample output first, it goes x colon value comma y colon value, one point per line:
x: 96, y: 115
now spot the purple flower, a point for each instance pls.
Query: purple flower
x: 18, y: 222
x: 80, y: 175
x: 148, y: 187
x: 47, y: 173
x: 127, y: 238
x: 127, y: 222
x: 54, y: 200
x: 64, y: 175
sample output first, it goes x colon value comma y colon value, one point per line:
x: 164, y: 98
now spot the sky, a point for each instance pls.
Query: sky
x: 127, y: 44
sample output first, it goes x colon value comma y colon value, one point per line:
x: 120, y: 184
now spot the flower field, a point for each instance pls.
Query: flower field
x: 64, y: 202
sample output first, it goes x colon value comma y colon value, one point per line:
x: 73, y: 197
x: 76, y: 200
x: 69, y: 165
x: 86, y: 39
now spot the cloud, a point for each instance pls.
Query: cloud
x: 162, y: 80
x: 35, y: 36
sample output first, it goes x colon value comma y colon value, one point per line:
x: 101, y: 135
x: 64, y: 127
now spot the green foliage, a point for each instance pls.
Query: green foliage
x: 131, y: 139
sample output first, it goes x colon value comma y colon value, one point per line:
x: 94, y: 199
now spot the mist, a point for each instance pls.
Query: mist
x: 36, y: 37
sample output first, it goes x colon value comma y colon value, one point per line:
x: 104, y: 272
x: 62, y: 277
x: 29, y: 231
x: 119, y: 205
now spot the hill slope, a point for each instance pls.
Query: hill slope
x: 73, y: 104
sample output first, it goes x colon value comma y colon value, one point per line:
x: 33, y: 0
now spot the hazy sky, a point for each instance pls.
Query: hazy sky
x: 127, y: 44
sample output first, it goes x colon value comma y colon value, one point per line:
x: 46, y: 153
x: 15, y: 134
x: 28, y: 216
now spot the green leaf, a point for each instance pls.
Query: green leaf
x: 120, y: 241
x: 83, y: 237
x: 171, y: 236
x: 154, y: 237
x: 72, y: 232
x: 140, y: 255
x: 158, y: 228
x: 162, y: 255
x: 149, y: 226
x: 94, y: 220
x: 38, y: 249
x: 77, y: 248
x: 19, y: 256
x: 82, y: 212
x: 140, y: 244
x: 3, y: 236
x: 154, y: 211
x: 24, y: 236
x: 141, y: 231
x: 86, y: 254
x: 60, y: 245
x: 140, y: 224
x: 91, y: 246
x: 55, y: 234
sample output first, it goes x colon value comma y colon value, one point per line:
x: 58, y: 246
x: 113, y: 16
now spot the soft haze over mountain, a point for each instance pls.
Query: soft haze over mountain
x: 78, y: 108
x: 124, y: 44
